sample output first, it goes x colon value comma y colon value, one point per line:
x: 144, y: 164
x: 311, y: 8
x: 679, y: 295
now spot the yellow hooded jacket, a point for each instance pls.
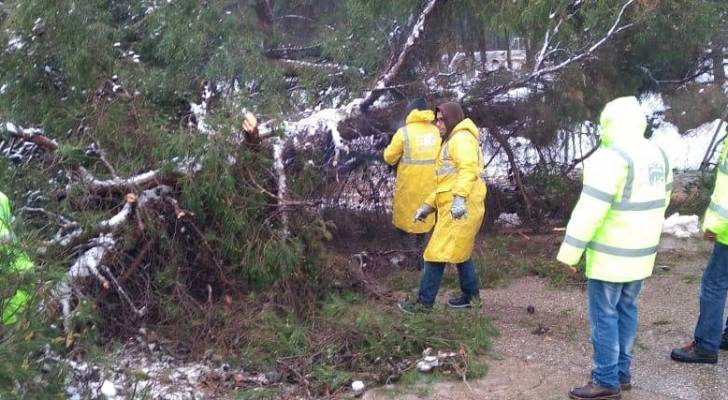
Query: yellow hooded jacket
x: 18, y: 262
x: 459, y: 172
x: 414, y: 147
x: 627, y: 183
x: 716, y: 216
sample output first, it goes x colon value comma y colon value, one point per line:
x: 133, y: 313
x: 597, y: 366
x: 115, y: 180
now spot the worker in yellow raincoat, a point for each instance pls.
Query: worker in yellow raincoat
x: 15, y: 261
x: 459, y: 199
x: 413, y: 149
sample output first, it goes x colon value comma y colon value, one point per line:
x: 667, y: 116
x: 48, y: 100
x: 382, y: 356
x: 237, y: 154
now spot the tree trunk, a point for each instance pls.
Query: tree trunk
x: 483, y: 45
x: 717, y: 55
x: 508, y: 51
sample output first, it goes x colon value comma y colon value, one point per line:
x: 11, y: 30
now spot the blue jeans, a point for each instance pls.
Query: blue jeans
x: 713, y: 289
x: 432, y: 276
x: 613, y: 322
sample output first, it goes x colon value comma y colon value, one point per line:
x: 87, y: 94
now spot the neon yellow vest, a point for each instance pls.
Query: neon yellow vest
x: 4, y: 218
x: 18, y: 262
x: 618, y: 218
x: 716, y: 216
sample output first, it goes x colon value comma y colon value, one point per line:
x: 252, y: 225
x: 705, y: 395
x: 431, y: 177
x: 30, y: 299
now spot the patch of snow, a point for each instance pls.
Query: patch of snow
x: 508, y: 219
x: 200, y: 110
x: 686, y: 151
x: 517, y: 94
x: 322, y: 120
x: 16, y: 42
x: 681, y: 226
x: 108, y: 390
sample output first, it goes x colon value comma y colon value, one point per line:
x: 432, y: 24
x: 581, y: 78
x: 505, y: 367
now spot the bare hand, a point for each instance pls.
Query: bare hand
x: 570, y: 269
x: 709, y: 235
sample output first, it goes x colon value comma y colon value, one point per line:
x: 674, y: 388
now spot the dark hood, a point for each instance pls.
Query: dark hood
x: 452, y: 114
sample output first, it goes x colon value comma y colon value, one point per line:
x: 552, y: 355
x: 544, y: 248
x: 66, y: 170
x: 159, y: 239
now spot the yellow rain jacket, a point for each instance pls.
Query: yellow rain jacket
x: 414, y: 147
x: 716, y: 216
x: 459, y: 172
x: 618, y: 218
x: 17, y: 262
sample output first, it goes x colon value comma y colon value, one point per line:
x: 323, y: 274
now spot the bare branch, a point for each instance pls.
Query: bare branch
x: 136, y: 182
x: 295, y: 52
x: 325, y: 66
x: 537, y: 73
x: 32, y: 135
x: 393, y: 71
x: 303, y: 18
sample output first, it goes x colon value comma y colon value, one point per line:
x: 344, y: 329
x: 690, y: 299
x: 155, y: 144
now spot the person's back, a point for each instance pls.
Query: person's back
x: 617, y: 221
x: 629, y: 177
x: 414, y: 149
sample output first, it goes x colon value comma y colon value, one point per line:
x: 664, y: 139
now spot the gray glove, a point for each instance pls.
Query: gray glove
x: 423, y: 212
x: 458, y: 209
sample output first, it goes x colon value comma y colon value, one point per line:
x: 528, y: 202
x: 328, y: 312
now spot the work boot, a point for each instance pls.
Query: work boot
x: 592, y: 391
x: 724, y: 342
x: 414, y: 307
x: 459, y: 302
x: 625, y: 383
x: 691, y: 353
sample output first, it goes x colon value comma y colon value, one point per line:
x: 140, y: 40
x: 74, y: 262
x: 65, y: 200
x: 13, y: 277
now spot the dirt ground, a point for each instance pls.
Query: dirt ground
x: 526, y: 363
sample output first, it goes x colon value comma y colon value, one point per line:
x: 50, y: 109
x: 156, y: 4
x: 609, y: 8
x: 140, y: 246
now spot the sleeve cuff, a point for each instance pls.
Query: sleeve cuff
x: 569, y: 254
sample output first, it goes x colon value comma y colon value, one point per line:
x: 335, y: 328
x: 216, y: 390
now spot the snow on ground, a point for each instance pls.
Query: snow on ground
x: 682, y: 226
x: 508, y: 219
x: 144, y: 370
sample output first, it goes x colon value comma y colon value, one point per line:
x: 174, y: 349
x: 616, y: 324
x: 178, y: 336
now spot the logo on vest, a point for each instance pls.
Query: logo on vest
x: 656, y: 173
x: 426, y: 141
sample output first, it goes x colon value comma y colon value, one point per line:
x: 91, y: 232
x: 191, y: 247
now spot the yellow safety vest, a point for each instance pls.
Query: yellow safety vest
x: 716, y: 216
x: 618, y: 218
x: 17, y: 262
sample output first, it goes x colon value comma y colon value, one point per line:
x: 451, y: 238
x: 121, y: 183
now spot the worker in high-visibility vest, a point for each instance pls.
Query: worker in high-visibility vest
x: 617, y: 222
x: 714, y: 284
x: 15, y: 261
x: 413, y: 149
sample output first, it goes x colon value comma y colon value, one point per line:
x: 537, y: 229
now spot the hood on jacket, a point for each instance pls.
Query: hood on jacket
x: 452, y: 114
x: 621, y: 120
x: 416, y: 104
x: 469, y: 126
x: 420, y: 116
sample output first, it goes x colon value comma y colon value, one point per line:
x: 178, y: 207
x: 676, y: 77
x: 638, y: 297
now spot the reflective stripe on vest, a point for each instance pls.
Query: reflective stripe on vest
x: 611, y: 250
x: 718, y: 209
x: 625, y: 204
x: 446, y: 168
x: 407, y: 158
